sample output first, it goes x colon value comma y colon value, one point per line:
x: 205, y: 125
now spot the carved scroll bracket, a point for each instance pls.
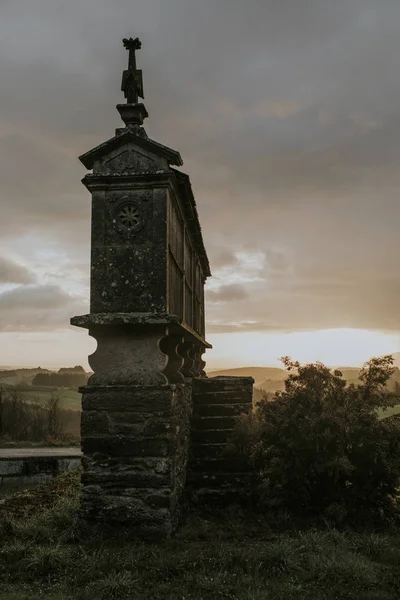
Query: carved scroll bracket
x: 193, y: 364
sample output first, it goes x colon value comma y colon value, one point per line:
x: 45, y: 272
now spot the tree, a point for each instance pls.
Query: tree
x: 321, y: 448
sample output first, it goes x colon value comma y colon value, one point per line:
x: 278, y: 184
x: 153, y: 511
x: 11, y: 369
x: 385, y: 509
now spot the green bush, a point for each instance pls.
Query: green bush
x: 320, y: 448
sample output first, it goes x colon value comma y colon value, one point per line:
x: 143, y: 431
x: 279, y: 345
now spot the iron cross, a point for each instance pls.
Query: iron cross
x: 132, y: 81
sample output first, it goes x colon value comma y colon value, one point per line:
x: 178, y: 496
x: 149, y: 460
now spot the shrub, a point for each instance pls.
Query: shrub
x: 319, y: 448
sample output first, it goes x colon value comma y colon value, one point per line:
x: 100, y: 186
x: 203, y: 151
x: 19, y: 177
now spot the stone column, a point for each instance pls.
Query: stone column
x: 135, y: 427
x: 135, y: 442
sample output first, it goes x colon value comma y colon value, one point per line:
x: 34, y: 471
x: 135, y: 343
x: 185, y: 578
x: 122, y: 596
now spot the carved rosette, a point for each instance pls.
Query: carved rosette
x: 128, y: 213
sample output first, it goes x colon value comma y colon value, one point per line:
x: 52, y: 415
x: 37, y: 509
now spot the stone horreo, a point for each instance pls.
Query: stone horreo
x: 154, y: 426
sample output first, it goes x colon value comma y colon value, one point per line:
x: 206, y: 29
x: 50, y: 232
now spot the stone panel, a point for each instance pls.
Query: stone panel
x: 128, y: 250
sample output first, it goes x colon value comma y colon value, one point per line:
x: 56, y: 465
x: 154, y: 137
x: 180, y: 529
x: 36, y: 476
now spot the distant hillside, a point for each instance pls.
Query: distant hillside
x: 77, y: 369
x: 9, y: 377
x: 27, y: 376
x: 20, y: 376
x: 259, y: 374
x: 271, y: 379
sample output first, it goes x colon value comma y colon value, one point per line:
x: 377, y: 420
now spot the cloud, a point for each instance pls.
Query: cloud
x: 286, y: 115
x: 13, y: 272
x: 37, y: 308
x: 227, y: 293
x: 243, y: 326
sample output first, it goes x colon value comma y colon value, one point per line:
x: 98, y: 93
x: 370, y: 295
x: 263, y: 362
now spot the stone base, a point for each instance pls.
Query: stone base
x: 217, y: 405
x: 135, y: 444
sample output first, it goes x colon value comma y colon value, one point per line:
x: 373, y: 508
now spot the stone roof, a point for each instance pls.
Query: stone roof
x: 89, y: 158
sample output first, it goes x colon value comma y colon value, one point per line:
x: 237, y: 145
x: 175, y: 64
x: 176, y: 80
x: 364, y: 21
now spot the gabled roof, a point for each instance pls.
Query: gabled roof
x: 88, y: 159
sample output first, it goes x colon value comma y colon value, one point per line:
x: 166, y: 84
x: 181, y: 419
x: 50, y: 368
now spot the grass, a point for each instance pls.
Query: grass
x: 232, y: 556
x: 70, y: 399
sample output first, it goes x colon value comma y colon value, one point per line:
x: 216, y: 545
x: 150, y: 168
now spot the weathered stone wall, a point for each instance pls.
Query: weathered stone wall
x: 217, y: 405
x: 19, y: 471
x: 135, y: 443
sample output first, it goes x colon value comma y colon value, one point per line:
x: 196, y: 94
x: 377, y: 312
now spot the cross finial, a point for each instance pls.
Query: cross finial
x: 132, y: 44
x: 132, y: 81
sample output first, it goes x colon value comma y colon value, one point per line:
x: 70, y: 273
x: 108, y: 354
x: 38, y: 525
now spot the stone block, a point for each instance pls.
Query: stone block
x: 10, y: 468
x: 95, y: 422
x: 138, y: 399
x: 213, y: 436
x: 126, y: 479
x: 219, y: 480
x: 129, y: 423
x: 207, y: 450
x: 223, y: 384
x: 114, y: 446
x: 207, y: 423
x: 222, y: 397
x: 217, y: 465
x: 36, y: 465
x: 98, y: 462
x: 220, y: 410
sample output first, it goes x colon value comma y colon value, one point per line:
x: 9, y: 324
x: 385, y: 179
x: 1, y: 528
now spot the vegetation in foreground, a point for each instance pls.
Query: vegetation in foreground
x: 232, y: 555
x: 321, y: 449
x: 325, y: 526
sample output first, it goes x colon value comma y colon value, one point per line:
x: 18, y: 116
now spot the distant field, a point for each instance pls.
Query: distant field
x: 395, y: 410
x: 70, y: 399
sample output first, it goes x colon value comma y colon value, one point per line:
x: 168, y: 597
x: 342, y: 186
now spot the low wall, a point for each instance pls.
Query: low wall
x: 22, y: 467
x: 218, y: 403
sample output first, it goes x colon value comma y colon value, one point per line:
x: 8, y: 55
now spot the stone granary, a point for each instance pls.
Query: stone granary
x: 153, y: 424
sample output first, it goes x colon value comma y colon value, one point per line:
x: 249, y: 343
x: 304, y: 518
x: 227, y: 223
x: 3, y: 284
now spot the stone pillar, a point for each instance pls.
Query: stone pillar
x: 218, y: 403
x: 135, y: 444
x: 135, y: 426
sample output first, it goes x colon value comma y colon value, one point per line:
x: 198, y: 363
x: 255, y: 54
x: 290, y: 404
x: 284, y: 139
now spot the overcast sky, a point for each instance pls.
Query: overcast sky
x: 287, y: 116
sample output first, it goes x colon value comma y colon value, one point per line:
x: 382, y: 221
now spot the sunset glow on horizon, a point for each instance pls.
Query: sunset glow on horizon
x: 334, y: 347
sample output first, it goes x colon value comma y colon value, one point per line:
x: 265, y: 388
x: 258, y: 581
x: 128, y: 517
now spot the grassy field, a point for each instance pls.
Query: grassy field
x: 395, y: 410
x: 231, y: 556
x: 70, y: 399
